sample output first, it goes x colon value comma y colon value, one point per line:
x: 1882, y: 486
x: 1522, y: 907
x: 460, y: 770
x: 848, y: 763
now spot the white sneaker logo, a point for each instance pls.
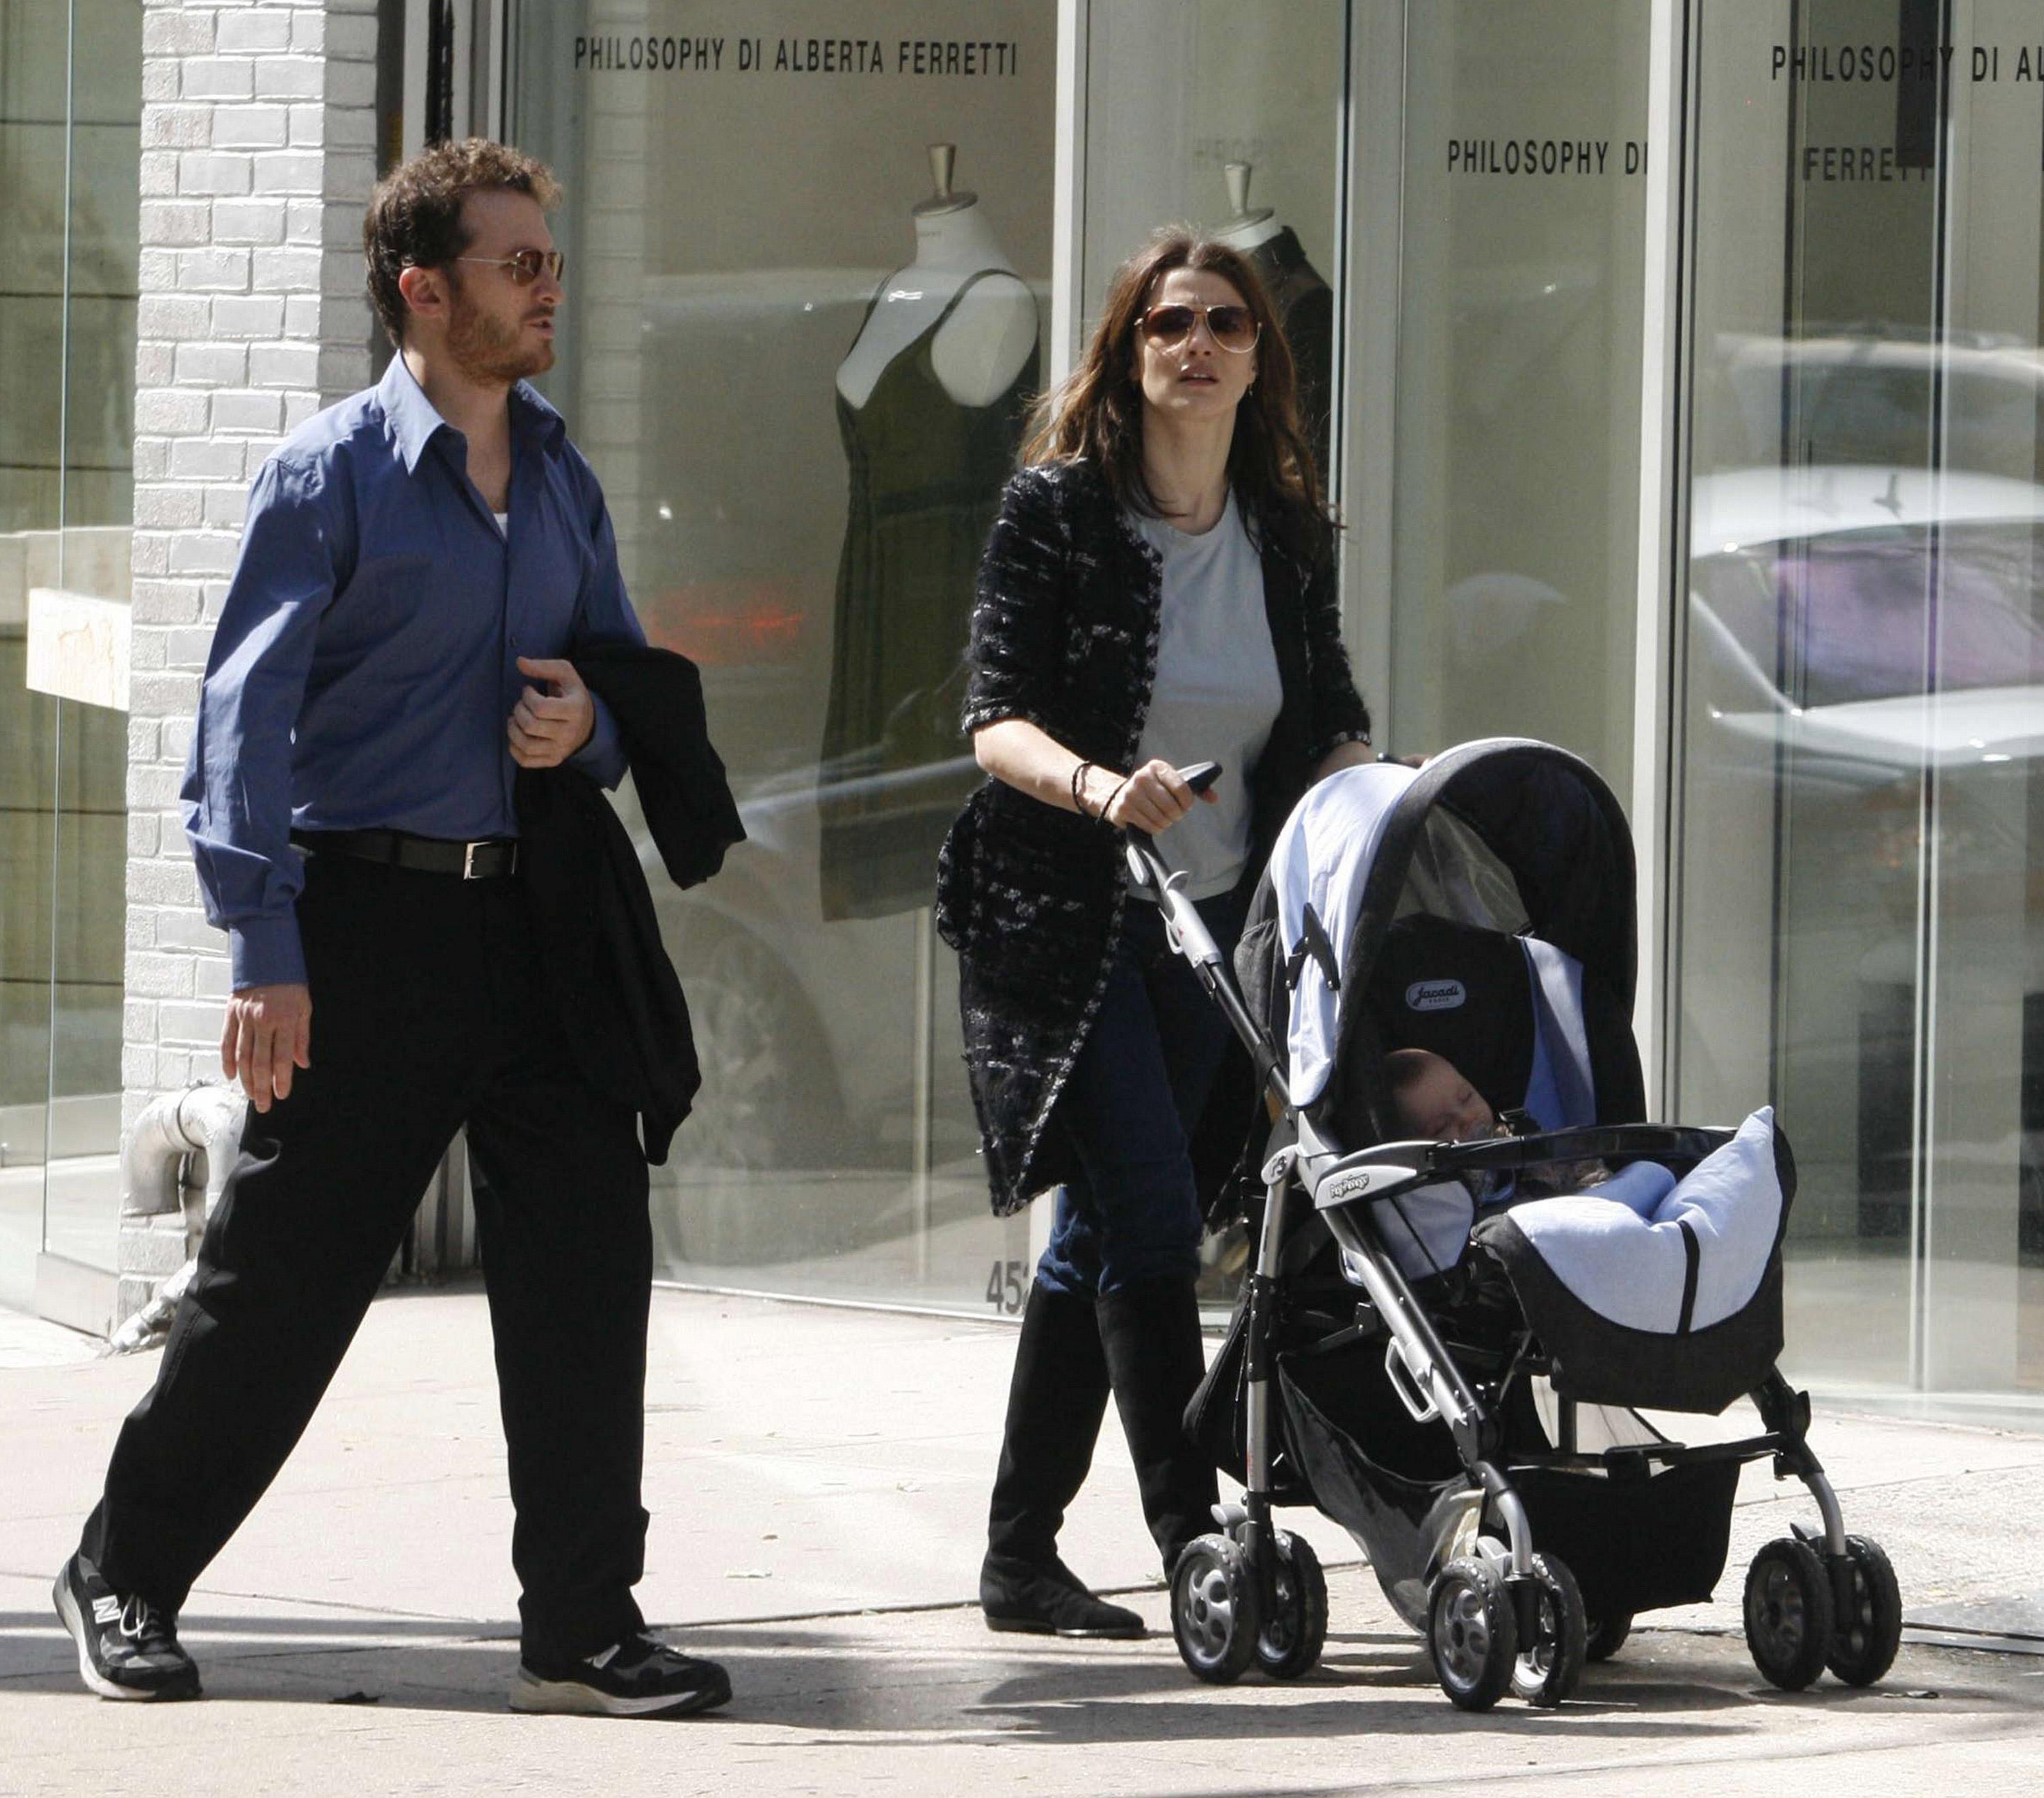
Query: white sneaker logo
x: 105, y: 1610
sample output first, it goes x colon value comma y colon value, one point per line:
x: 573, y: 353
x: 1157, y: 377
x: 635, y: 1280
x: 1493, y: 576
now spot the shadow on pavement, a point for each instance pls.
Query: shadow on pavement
x: 831, y: 1681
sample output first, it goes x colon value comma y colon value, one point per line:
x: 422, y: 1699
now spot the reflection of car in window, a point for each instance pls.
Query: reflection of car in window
x: 806, y: 1030
x: 1887, y: 398
x: 1812, y: 616
x: 1855, y: 630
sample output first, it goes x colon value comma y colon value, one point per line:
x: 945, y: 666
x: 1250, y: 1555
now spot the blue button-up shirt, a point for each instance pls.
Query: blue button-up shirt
x: 366, y: 660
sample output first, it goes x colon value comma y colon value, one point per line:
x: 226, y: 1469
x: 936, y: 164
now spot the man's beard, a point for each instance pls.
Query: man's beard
x: 486, y: 350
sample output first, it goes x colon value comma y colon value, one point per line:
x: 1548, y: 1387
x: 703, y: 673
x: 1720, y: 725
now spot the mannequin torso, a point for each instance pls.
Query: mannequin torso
x: 981, y: 347
x: 1246, y: 234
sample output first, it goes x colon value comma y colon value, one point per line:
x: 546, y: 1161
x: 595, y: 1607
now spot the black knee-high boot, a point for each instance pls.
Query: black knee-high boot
x: 1150, y: 1333
x: 1055, y: 1402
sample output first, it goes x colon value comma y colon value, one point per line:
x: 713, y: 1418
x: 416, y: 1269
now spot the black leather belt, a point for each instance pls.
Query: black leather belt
x: 489, y: 859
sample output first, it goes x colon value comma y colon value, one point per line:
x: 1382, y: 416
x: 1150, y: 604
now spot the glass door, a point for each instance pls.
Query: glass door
x: 1859, y: 924
x: 71, y: 85
x: 808, y: 277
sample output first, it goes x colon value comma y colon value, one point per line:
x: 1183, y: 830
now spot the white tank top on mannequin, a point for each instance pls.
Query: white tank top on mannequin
x: 982, y: 345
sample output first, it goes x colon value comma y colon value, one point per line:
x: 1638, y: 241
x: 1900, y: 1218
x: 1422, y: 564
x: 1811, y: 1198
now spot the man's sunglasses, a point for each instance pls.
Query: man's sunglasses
x: 1234, y: 328
x: 526, y: 266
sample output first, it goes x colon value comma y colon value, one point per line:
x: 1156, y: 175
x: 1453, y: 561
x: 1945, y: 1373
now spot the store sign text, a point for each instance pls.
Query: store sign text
x: 1873, y: 64
x: 1545, y: 155
x: 646, y: 55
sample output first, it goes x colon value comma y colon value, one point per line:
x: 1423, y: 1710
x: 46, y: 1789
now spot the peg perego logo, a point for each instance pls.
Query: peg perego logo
x: 1434, y: 995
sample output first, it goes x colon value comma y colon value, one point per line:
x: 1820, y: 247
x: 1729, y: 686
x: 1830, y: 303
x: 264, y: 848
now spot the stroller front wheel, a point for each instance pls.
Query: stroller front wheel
x: 1790, y: 1618
x: 1549, y: 1666
x: 1472, y: 1634
x: 1864, y: 1640
x: 1288, y: 1645
x: 1214, y: 1611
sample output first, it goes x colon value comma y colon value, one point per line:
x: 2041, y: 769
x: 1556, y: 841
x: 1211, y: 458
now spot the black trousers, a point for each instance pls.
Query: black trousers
x: 427, y: 1011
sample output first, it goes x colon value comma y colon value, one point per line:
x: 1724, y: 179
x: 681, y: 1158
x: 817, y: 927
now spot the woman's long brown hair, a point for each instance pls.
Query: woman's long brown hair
x: 1095, y: 414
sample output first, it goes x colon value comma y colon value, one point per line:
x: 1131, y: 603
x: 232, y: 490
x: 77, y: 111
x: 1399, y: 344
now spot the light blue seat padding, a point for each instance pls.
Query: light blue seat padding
x: 1559, y: 1093
x: 1639, y: 1188
x: 1322, y: 859
x: 1632, y: 1265
x: 1426, y: 1230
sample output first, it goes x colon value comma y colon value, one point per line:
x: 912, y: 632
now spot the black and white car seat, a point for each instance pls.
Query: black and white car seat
x: 1645, y: 1289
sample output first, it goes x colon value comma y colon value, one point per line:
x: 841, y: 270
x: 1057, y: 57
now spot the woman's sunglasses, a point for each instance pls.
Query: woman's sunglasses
x: 525, y: 265
x: 1233, y: 327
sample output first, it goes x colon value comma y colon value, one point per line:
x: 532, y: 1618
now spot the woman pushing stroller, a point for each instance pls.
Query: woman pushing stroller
x: 1159, y: 587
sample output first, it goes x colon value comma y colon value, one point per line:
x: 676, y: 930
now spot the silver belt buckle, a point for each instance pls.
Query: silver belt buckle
x: 468, y: 859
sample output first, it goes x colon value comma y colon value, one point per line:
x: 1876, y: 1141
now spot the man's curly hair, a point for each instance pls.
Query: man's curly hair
x: 414, y: 216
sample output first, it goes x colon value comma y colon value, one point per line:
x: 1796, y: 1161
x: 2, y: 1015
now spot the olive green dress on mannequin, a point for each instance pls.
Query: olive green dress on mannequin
x: 926, y: 476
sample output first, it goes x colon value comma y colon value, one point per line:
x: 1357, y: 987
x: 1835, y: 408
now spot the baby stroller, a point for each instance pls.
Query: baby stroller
x: 1443, y: 1362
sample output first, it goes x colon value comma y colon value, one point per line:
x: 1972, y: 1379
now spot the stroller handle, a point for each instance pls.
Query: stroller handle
x: 1606, y: 1142
x: 1147, y: 865
x: 1188, y: 935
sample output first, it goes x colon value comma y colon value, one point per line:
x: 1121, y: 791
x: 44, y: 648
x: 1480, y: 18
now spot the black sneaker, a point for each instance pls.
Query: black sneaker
x: 639, y: 1677
x: 127, y: 1648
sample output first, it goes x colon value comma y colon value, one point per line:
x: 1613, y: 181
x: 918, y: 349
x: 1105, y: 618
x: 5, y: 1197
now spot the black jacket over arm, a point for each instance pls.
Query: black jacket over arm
x: 606, y: 971
x: 1064, y: 635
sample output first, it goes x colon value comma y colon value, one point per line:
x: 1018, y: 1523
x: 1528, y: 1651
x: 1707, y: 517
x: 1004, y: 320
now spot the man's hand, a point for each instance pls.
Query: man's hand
x: 546, y: 727
x: 269, y: 1032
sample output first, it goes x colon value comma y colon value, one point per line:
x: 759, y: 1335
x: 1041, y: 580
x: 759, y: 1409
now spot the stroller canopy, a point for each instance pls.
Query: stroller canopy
x: 1498, y: 838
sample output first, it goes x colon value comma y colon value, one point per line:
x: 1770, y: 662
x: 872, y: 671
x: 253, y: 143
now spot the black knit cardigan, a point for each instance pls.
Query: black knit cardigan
x: 1064, y: 634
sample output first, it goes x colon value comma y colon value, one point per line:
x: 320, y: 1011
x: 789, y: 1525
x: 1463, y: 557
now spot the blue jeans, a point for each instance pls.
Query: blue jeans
x: 1131, y: 1107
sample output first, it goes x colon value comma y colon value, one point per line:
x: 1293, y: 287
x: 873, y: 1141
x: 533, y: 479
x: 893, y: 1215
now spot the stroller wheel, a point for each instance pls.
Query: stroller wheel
x: 1864, y: 1638
x: 1214, y: 1610
x: 1296, y: 1631
x: 1789, y: 1614
x: 1549, y: 1666
x: 1472, y: 1634
x: 1607, y: 1635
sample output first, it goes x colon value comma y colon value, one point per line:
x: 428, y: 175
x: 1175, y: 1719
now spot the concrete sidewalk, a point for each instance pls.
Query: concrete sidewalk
x: 817, y: 1479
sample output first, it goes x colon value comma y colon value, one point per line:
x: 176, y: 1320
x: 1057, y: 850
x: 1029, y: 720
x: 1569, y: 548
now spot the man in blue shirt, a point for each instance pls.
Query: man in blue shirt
x: 419, y: 566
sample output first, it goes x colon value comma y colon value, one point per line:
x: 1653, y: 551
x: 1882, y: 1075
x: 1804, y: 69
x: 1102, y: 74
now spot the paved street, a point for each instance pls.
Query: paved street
x: 817, y: 1480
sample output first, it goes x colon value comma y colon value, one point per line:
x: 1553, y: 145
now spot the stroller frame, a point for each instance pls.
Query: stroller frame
x: 1504, y: 1616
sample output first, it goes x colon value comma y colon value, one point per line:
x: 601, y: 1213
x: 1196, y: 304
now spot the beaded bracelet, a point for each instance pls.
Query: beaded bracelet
x: 1078, y: 781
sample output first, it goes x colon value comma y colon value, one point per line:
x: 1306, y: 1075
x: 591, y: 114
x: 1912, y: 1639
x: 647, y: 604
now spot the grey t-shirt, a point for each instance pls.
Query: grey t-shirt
x: 1217, y: 693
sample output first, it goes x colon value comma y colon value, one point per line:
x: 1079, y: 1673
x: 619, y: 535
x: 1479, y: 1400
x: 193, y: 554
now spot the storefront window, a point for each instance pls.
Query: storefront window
x: 1516, y: 430
x: 71, y: 82
x: 809, y: 286
x: 1860, y: 925
x: 1228, y: 118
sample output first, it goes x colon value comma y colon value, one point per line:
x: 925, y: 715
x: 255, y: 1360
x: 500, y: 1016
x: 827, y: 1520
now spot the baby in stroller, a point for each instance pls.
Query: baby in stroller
x: 1435, y: 1102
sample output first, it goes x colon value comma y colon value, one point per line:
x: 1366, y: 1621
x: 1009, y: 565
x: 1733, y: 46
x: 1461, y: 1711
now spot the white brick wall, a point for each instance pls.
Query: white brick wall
x: 258, y: 122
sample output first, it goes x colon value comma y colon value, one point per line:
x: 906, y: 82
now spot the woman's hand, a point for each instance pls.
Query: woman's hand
x: 1153, y: 798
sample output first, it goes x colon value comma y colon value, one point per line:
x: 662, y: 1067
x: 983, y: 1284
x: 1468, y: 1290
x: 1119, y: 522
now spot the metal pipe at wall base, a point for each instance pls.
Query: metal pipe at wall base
x: 176, y: 1156
x: 158, y: 1172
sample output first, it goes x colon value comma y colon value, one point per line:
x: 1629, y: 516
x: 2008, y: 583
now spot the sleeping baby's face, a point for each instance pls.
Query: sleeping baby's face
x: 1433, y: 1100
